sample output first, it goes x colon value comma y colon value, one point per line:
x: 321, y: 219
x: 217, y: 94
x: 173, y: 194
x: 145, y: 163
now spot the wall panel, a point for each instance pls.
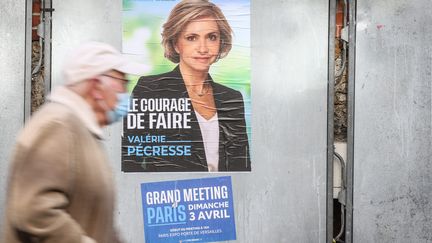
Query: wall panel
x: 392, y: 138
x: 12, y: 79
x: 284, y: 198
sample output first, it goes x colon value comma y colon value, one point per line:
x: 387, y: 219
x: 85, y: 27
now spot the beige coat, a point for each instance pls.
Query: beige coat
x: 60, y: 184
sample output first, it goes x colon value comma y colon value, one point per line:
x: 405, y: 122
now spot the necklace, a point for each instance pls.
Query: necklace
x: 205, y: 90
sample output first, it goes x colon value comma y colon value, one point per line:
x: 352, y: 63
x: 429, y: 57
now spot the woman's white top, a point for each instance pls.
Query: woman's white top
x: 210, y: 134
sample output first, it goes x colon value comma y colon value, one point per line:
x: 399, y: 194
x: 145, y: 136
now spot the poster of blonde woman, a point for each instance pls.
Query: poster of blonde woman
x: 191, y: 111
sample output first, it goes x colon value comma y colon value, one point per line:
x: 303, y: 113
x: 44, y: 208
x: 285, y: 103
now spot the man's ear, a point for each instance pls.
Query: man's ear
x: 96, y: 89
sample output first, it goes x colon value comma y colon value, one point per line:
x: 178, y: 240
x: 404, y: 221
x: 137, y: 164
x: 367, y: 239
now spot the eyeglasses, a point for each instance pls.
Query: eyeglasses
x: 122, y: 79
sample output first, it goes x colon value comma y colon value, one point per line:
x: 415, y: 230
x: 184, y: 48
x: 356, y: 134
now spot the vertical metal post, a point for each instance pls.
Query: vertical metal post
x: 351, y: 111
x: 47, y: 17
x: 330, y: 116
x: 28, y: 57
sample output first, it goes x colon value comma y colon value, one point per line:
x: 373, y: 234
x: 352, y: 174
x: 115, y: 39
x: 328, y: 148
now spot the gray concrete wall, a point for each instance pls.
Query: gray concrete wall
x: 289, y: 94
x: 12, y: 62
x: 392, y: 140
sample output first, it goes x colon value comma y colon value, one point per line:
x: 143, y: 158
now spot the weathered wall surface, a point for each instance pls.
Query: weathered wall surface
x: 340, y: 99
x: 38, y: 88
x: 12, y: 62
x: 393, y: 135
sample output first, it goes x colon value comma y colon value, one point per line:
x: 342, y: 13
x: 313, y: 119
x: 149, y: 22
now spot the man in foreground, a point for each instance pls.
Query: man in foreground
x: 61, y: 186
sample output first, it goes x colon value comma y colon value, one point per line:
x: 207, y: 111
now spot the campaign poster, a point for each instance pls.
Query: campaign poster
x: 191, y: 110
x: 196, y: 210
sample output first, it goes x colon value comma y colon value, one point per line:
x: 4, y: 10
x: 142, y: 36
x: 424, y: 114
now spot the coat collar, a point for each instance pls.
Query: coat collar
x: 79, y: 107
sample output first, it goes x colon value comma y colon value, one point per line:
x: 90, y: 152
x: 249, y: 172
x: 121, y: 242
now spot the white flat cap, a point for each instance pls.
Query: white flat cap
x: 94, y: 58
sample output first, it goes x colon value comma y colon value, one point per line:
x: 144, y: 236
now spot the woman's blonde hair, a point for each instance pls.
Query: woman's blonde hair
x: 182, y: 14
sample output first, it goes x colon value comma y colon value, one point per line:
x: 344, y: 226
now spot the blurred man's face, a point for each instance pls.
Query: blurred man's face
x: 114, y: 82
x: 110, y: 84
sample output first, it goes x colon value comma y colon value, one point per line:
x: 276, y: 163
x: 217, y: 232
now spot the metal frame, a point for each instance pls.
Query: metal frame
x: 330, y: 117
x: 351, y: 112
x: 47, y: 17
x: 28, y: 61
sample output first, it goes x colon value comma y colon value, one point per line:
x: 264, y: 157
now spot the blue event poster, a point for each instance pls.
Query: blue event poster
x: 195, y: 210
